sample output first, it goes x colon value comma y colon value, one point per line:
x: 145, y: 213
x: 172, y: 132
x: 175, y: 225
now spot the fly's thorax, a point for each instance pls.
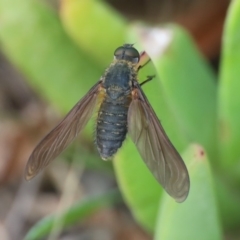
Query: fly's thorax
x: 118, y: 79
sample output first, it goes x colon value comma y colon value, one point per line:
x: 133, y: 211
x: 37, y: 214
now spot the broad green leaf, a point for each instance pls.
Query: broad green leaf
x: 136, y: 181
x: 188, y: 83
x: 139, y: 188
x: 228, y: 202
x: 185, y: 112
x: 33, y: 38
x: 95, y: 27
x: 197, y: 218
x: 229, y: 100
x: 78, y: 212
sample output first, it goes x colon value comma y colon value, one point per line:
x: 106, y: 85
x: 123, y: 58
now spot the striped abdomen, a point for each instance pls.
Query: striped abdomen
x: 111, y: 126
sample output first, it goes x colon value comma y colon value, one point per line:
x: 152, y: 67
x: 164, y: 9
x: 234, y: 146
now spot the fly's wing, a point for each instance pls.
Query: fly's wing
x: 63, y: 134
x: 155, y: 148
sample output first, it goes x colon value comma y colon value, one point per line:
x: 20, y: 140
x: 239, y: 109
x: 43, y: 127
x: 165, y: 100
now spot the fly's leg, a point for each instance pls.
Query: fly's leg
x: 149, y: 78
x: 144, y: 60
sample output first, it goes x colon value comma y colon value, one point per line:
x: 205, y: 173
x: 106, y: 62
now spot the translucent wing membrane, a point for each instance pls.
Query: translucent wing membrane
x: 63, y: 134
x: 155, y: 148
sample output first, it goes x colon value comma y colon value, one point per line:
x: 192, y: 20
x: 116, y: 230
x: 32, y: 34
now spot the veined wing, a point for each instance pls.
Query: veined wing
x: 155, y: 148
x: 63, y: 134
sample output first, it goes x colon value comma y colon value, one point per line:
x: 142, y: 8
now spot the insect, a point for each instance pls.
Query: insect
x: 123, y: 109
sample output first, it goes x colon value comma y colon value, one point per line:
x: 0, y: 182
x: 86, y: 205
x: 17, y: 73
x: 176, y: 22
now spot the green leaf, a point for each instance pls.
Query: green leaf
x: 185, y: 112
x: 96, y: 27
x: 79, y: 212
x: 228, y: 202
x: 188, y: 84
x: 33, y: 38
x: 197, y: 217
x: 139, y: 188
x: 136, y: 182
x: 229, y: 100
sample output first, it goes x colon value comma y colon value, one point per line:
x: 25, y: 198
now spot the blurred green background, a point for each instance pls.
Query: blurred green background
x: 58, y: 50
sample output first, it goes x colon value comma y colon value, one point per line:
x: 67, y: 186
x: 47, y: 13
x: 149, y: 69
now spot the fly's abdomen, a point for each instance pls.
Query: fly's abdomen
x: 111, y: 127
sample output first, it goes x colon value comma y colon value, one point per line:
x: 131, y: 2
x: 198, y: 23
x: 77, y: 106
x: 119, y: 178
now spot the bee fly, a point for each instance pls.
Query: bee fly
x: 123, y: 108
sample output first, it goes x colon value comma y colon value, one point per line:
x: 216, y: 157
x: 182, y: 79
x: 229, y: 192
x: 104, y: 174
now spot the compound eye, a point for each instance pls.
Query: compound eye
x: 128, y: 53
x: 132, y: 52
x: 119, y: 52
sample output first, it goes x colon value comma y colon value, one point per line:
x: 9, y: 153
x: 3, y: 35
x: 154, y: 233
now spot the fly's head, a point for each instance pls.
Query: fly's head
x: 127, y: 53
